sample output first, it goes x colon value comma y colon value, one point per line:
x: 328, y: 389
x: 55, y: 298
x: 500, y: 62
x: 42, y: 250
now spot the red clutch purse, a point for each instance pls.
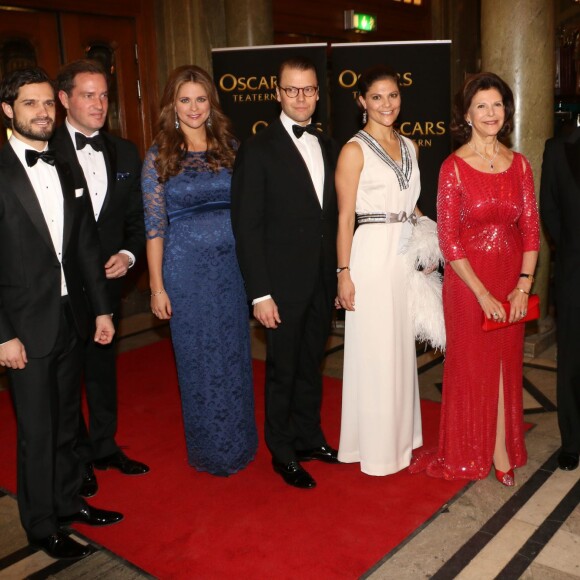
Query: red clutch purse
x: 532, y: 314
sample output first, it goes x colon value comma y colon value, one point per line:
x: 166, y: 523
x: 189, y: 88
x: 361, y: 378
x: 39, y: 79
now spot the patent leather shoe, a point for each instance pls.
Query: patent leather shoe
x: 294, y: 474
x: 120, y: 461
x: 89, y: 485
x: 323, y: 453
x: 568, y: 461
x: 506, y: 478
x: 60, y: 547
x: 91, y: 516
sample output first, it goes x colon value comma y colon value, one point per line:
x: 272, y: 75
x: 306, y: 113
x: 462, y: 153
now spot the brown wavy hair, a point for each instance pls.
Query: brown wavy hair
x: 171, y: 142
x: 483, y: 81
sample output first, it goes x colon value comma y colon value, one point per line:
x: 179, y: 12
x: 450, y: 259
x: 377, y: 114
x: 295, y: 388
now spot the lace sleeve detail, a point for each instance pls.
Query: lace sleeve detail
x: 449, y: 212
x: 529, y: 223
x: 153, y: 198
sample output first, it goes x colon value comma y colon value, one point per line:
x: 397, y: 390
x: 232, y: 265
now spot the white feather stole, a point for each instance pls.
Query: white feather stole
x: 424, y: 290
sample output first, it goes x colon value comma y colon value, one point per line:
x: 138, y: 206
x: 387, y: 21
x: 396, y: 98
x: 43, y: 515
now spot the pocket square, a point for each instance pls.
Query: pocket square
x: 79, y: 192
x: 121, y: 176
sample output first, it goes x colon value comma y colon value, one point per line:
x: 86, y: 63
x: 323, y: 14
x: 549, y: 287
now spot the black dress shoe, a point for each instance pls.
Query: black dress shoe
x: 323, y: 453
x: 91, y: 516
x: 61, y: 547
x: 121, y: 462
x: 567, y: 460
x: 89, y: 485
x: 294, y: 474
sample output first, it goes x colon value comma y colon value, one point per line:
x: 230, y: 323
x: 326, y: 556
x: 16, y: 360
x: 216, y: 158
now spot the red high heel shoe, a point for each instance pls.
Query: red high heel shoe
x: 507, y: 478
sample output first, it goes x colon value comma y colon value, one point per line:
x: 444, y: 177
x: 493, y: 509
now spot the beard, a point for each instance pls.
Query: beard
x: 31, y: 131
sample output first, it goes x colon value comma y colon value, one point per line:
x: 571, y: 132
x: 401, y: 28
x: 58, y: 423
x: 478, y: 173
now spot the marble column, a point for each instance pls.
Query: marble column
x: 249, y: 22
x: 182, y: 35
x: 517, y: 43
x: 458, y: 21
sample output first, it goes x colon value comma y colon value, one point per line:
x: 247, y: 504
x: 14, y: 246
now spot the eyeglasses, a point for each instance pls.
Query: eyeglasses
x: 293, y: 92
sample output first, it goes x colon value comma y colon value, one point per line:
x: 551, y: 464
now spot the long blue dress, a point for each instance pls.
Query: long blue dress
x: 209, y: 325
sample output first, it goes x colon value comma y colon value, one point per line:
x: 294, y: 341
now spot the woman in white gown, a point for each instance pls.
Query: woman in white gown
x: 378, y: 185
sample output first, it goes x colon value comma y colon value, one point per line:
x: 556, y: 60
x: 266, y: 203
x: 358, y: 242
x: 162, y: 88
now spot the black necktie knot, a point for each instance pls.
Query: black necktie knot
x: 33, y: 156
x: 299, y: 130
x: 95, y: 142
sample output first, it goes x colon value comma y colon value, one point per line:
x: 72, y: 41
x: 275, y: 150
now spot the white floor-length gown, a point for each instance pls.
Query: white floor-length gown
x: 381, y: 417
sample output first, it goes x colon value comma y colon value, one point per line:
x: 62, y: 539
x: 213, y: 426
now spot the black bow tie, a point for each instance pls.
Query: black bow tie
x: 95, y: 142
x: 33, y: 156
x: 299, y: 130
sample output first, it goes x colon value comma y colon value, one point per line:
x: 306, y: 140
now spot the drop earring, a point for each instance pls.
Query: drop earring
x: 365, y: 117
x: 208, y: 123
x: 469, y: 123
x: 176, y: 120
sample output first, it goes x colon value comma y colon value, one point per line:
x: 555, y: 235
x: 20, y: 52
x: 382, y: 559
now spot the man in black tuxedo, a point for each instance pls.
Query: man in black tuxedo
x: 284, y: 215
x: 109, y: 168
x: 49, y: 266
x: 560, y: 211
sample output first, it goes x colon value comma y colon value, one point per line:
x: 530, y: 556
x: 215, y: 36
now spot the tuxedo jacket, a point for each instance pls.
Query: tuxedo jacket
x: 285, y: 240
x: 560, y: 210
x: 120, y: 225
x: 30, y: 272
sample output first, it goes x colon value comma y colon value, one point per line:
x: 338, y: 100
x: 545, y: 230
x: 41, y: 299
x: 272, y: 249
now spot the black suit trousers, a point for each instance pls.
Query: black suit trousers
x: 46, y: 395
x: 295, y: 351
x: 100, y: 373
x: 568, y: 382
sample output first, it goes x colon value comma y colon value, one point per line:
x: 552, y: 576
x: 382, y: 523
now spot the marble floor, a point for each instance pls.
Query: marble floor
x: 487, y: 531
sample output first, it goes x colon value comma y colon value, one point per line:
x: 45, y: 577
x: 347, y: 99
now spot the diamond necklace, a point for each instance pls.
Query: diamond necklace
x: 484, y: 157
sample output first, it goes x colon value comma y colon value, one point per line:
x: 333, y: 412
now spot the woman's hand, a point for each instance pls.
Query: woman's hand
x: 161, y: 306
x: 492, y: 308
x: 518, y: 304
x: 430, y: 268
x: 345, y: 290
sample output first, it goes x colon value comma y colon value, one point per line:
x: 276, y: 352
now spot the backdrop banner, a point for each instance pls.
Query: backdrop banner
x: 424, y: 72
x: 246, y: 83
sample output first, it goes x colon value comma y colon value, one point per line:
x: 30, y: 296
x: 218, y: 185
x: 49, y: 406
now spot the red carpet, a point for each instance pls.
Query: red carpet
x: 183, y: 524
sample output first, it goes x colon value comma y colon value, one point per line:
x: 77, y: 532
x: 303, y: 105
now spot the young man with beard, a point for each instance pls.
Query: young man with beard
x: 49, y: 266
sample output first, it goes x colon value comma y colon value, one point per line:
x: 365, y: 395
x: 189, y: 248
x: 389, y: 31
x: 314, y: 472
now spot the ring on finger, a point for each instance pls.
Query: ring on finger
x: 495, y: 315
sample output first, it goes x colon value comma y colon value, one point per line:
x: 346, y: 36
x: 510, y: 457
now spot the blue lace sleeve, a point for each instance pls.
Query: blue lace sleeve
x: 153, y: 198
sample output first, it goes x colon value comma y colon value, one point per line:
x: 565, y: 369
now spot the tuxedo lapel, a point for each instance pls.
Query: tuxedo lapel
x: 572, y: 148
x: 110, y: 154
x: 22, y: 189
x: 67, y: 186
x: 290, y: 151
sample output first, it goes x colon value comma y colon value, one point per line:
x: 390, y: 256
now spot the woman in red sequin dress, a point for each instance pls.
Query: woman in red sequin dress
x: 489, y: 235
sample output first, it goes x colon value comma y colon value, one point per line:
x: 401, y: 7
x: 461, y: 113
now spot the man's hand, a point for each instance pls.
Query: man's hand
x: 105, y: 329
x: 13, y: 354
x: 266, y: 312
x: 117, y: 266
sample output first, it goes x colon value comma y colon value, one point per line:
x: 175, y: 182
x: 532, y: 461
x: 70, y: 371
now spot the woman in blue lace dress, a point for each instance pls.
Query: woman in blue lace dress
x: 194, y: 274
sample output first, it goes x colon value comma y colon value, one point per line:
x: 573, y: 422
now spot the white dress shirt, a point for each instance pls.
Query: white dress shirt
x: 46, y: 184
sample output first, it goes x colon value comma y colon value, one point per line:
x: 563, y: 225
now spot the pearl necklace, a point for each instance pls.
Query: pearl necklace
x: 484, y: 157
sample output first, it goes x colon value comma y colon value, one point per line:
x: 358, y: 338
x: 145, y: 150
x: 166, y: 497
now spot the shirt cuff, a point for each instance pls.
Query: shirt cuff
x: 131, y: 257
x: 261, y: 299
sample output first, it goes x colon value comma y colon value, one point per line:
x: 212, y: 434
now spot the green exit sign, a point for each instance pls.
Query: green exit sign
x: 359, y: 21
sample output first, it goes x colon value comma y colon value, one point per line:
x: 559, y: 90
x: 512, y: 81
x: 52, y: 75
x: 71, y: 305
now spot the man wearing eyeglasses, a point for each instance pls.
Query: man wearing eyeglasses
x: 284, y: 215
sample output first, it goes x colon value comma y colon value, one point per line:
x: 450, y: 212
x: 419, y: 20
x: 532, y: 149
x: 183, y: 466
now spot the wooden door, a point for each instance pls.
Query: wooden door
x: 113, y: 41
x: 50, y: 38
x: 21, y: 45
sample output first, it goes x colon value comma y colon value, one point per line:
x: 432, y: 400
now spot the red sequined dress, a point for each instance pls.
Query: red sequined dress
x: 490, y: 219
